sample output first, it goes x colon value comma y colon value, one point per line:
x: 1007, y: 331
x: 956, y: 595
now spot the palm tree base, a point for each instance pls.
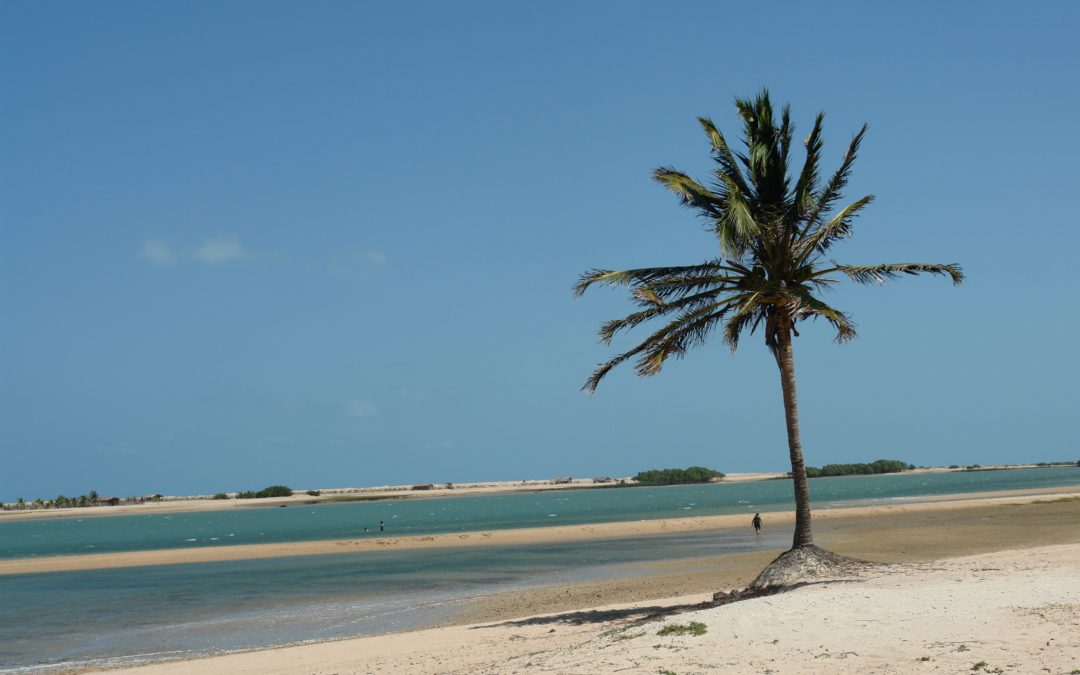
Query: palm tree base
x: 806, y: 564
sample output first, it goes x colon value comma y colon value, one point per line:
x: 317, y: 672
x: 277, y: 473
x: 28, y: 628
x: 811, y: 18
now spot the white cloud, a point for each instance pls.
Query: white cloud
x: 218, y: 251
x: 215, y: 251
x: 360, y: 408
x: 352, y: 263
x: 157, y: 252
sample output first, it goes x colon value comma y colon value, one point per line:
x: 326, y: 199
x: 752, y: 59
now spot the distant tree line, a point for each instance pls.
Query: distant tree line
x: 61, y: 502
x: 860, y: 469
x: 693, y: 474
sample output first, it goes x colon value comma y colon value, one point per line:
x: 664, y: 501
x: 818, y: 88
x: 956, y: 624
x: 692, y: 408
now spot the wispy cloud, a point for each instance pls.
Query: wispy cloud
x: 218, y: 251
x: 356, y: 262
x: 215, y: 251
x: 157, y: 252
x: 360, y: 408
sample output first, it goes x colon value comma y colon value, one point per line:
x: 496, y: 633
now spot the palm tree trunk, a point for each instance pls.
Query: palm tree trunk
x: 786, y: 361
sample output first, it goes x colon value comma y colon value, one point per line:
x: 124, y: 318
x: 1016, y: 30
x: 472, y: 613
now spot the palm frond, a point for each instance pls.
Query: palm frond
x: 675, y: 287
x: 690, y: 192
x: 642, y: 275
x: 802, y: 200
x: 809, y: 306
x: 834, y: 189
x: 690, y: 329
x: 877, y: 274
x: 749, y: 312
x: 604, y: 368
x: 736, y: 224
x: 729, y: 165
x: 786, y: 130
x: 736, y: 325
x: 609, y: 329
x: 838, y: 227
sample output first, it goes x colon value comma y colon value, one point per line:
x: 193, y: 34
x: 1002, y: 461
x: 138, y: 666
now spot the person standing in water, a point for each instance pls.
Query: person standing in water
x: 757, y: 523
x: 381, y: 526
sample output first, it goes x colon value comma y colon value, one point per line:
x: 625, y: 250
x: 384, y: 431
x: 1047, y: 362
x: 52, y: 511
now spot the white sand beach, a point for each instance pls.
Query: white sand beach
x: 1011, y: 611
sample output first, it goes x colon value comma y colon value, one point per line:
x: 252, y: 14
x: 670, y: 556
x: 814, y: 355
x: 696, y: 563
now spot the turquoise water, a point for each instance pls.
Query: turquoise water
x: 256, y: 525
x: 112, y: 617
x: 122, y: 616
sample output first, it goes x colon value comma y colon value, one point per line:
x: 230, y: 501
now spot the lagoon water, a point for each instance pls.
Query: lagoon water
x: 122, y: 616
x: 246, y: 523
x: 100, y: 617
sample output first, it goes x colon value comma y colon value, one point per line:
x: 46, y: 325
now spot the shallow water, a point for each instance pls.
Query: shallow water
x: 109, y: 617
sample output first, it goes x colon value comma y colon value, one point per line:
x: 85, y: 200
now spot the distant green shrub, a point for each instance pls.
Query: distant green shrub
x: 314, y: 493
x: 693, y: 474
x: 272, y: 491
x: 876, y: 467
x: 220, y: 495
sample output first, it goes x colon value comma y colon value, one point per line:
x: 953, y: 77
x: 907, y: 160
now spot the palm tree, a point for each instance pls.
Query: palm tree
x: 775, y: 232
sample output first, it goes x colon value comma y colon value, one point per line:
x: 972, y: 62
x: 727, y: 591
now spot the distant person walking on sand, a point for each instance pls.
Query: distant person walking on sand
x: 381, y: 526
x: 757, y: 523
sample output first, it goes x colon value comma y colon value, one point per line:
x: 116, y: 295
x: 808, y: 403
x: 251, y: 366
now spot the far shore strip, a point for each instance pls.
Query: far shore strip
x: 393, y: 492
x: 510, y: 537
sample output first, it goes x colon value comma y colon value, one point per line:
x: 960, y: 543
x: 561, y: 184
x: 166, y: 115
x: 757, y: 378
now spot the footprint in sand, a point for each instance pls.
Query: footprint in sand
x: 427, y: 538
x: 463, y: 536
x: 485, y: 534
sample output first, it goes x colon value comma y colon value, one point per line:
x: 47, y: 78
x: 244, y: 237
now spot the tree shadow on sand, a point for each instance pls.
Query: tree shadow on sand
x: 638, y: 615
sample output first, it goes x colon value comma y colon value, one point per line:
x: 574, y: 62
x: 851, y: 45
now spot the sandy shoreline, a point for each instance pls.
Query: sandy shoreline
x: 516, y: 536
x: 1016, y: 609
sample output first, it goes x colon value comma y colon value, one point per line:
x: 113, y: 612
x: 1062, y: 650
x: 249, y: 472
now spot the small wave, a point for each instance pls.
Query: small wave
x: 191, y: 540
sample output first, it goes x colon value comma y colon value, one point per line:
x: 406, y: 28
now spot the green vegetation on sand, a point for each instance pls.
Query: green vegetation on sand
x: 693, y: 474
x: 692, y: 628
x: 860, y: 469
x: 272, y: 491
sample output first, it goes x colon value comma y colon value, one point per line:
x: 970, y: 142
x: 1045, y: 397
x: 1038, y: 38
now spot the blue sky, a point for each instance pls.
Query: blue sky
x: 331, y: 243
